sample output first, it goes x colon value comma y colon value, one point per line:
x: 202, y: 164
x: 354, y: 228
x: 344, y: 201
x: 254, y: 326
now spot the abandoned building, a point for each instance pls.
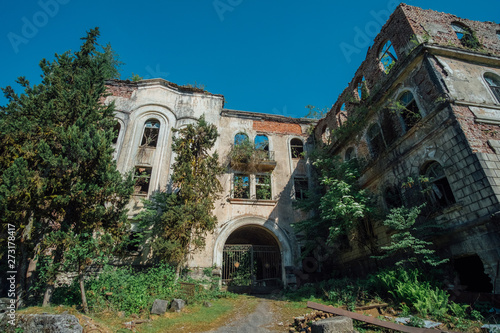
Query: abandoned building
x: 424, y: 102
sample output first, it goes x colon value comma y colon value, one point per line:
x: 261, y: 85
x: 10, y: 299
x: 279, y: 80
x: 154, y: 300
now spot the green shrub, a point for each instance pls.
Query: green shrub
x: 123, y: 289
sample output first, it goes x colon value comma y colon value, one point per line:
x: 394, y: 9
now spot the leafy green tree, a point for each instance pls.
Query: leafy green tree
x: 58, y: 181
x: 177, y: 221
x: 338, y: 204
x: 407, y: 239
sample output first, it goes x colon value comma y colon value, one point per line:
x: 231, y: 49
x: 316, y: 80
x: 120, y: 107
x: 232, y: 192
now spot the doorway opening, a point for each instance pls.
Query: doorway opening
x: 252, y: 259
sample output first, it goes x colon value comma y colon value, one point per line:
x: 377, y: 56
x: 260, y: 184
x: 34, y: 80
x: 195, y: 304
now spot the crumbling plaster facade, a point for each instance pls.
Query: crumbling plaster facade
x: 457, y: 131
x: 174, y: 107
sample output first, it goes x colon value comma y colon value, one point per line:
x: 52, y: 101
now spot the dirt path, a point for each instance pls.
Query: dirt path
x: 261, y: 320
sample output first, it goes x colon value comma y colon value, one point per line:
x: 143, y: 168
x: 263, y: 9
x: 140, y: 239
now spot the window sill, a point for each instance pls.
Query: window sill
x: 256, y: 202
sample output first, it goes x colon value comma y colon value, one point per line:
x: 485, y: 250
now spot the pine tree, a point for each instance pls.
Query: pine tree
x: 58, y: 182
x: 178, y: 221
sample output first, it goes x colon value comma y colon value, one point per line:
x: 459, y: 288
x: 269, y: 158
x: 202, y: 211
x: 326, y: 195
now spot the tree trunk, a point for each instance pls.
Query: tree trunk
x: 51, y: 282
x: 82, y: 291
x: 21, y: 275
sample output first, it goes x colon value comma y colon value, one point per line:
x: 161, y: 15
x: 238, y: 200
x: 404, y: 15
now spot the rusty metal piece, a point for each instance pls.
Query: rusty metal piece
x: 370, y: 320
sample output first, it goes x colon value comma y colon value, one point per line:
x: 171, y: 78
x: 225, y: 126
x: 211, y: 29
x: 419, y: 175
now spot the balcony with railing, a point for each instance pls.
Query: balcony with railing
x: 258, y: 160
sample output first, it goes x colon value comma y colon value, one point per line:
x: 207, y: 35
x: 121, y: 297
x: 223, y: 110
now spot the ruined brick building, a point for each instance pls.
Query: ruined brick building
x: 426, y: 101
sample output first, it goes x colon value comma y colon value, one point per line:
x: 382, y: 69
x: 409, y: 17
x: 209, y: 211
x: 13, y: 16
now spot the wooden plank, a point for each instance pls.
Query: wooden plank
x: 370, y: 320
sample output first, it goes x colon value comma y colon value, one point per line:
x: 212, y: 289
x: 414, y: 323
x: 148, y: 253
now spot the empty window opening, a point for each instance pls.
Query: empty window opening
x: 261, y: 142
x: 470, y: 275
x: 240, y: 138
x: 375, y: 140
x: 361, y: 89
x: 241, y: 186
x: 349, y: 154
x: 297, y: 148
x: 150, y: 133
x: 388, y: 57
x: 392, y: 197
x: 408, y: 110
x: 263, y: 187
x: 325, y: 134
x: 498, y: 34
x: 437, y: 186
x: 301, y: 186
x: 494, y: 84
x: 390, y: 131
x: 116, y: 131
x: 465, y: 35
x: 142, y: 178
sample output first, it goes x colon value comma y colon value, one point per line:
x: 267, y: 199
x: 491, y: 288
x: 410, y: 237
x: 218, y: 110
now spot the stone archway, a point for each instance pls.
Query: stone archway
x: 261, y: 235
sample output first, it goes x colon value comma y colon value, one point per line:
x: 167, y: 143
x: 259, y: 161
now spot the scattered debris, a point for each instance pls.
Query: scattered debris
x: 427, y: 323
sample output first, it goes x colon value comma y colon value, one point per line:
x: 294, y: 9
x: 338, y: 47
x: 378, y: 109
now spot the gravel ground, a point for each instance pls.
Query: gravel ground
x: 259, y: 321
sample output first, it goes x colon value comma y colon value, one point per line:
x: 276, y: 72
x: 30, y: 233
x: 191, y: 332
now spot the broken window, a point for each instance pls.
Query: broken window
x: 392, y: 197
x: 241, y: 186
x: 240, y: 138
x: 261, y: 142
x: 375, y: 140
x: 408, y: 110
x: 349, y: 154
x: 325, y: 134
x: 301, y: 185
x: 389, y: 129
x: 494, y: 84
x: 142, y: 178
x: 116, y: 131
x: 263, y: 187
x: 388, y: 57
x: 361, y: 89
x: 465, y: 35
x: 297, y: 148
x: 437, y: 186
x: 150, y: 133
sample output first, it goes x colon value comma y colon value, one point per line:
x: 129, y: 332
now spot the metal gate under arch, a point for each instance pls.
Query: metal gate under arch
x: 251, y: 265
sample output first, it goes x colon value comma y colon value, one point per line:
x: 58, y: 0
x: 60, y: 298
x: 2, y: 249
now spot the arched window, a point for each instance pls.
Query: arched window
x: 375, y: 140
x: 341, y: 115
x: 438, y: 187
x: 465, y: 35
x: 261, y: 142
x: 349, y: 154
x: 240, y: 138
x: 361, y: 89
x: 116, y: 131
x: 408, y: 110
x: 494, y: 84
x: 325, y: 134
x: 387, y: 56
x: 296, y: 148
x: 150, y: 133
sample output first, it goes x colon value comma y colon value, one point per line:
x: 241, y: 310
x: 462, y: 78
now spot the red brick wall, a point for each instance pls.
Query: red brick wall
x: 276, y: 127
x: 121, y: 88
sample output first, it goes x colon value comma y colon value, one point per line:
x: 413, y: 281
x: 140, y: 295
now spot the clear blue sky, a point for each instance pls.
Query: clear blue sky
x: 263, y: 56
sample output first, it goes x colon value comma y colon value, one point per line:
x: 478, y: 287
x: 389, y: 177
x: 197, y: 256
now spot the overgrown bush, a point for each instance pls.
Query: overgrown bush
x: 123, y: 289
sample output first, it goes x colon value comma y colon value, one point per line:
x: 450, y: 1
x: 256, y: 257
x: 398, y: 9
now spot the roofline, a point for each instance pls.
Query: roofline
x: 266, y: 116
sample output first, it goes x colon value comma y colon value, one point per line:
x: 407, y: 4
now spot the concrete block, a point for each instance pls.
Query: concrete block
x: 333, y: 325
x: 159, y: 307
x: 177, y: 305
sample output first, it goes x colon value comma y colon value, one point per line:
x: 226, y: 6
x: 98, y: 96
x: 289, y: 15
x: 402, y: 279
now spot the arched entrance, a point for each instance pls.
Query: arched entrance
x: 251, y: 257
x: 269, y: 244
